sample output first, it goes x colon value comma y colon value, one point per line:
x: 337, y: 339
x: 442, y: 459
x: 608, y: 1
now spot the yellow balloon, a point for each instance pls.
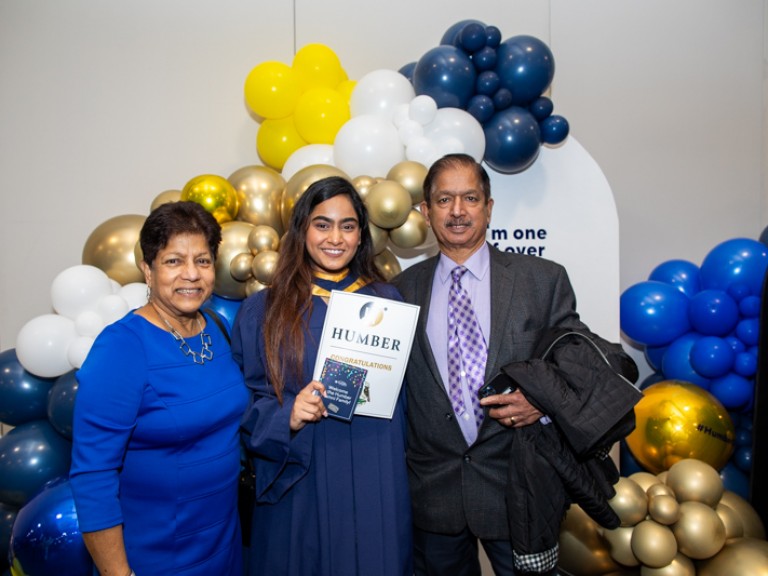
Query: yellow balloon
x: 699, y: 531
x: 630, y: 502
x: 652, y: 544
x: 165, y: 197
x: 319, y: 114
x: 240, y: 266
x: 299, y: 182
x: 316, y: 65
x: 695, y: 480
x: 363, y: 185
x: 379, y: 237
x: 750, y: 520
x: 215, y: 194
x: 110, y: 247
x: 272, y: 90
x: 677, y: 420
x: 742, y: 557
x: 234, y: 241
x: 583, y: 550
x: 263, y: 238
x: 260, y: 195
x: 620, y: 545
x: 410, y: 175
x: 664, y: 509
x: 681, y: 565
x: 263, y: 267
x: 412, y: 233
x: 276, y: 140
x: 388, y: 203
x: 388, y: 264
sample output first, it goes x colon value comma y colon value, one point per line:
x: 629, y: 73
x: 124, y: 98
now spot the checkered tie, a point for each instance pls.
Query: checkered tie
x: 467, y: 351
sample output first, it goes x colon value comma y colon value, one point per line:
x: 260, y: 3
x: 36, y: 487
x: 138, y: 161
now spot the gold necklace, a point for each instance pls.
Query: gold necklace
x: 198, y: 358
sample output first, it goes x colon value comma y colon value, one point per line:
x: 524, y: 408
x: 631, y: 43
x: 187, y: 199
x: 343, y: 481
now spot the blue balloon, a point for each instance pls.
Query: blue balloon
x: 487, y: 83
x: 732, y: 390
x: 541, y: 108
x: 492, y: 36
x: 654, y: 355
x: 713, y: 312
x: 748, y: 331
x: 738, y: 291
x: 7, y: 517
x: 682, y: 274
x: 61, y: 404
x: 481, y: 107
x: 740, y: 260
x: 554, y: 129
x: 46, y: 536
x: 743, y: 436
x: 712, y: 357
x: 654, y: 313
x: 225, y: 307
x: 451, y: 36
x: 31, y: 455
x: 512, y: 140
x: 676, y: 364
x: 447, y: 75
x: 471, y: 37
x: 23, y: 396
x: 627, y: 462
x: 484, y: 59
x: 745, y: 364
x: 526, y: 67
x: 743, y: 459
x: 736, y: 344
x: 651, y: 379
x: 407, y: 71
x: 734, y: 480
x: 749, y: 306
x: 502, y: 99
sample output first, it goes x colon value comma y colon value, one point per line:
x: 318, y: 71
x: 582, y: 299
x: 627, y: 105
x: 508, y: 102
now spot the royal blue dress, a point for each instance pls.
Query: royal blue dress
x: 332, y: 498
x: 156, y: 448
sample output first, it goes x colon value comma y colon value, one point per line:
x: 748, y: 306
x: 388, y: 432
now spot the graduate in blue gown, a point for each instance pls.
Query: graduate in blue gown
x: 332, y: 496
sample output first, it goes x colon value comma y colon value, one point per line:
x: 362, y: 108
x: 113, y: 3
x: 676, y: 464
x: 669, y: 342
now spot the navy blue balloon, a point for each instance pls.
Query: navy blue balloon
x: 526, y: 67
x: 512, y: 140
x: 502, y: 99
x: 447, y: 75
x: 654, y: 313
x: 46, y: 536
x: 764, y: 236
x: 61, y: 403
x: 682, y: 274
x: 742, y: 457
x: 629, y: 464
x: 732, y: 390
x: 734, y: 480
x: 713, y: 312
x: 554, y: 130
x: 740, y: 260
x: 451, y: 36
x: 743, y: 436
x: 676, y: 364
x: 7, y: 517
x: 484, y: 59
x: 225, y: 307
x: 541, y: 108
x: 471, y: 37
x: 31, y: 455
x: 407, y: 71
x: 481, y: 107
x: 712, y: 357
x: 23, y: 396
x: 492, y: 36
x: 487, y: 83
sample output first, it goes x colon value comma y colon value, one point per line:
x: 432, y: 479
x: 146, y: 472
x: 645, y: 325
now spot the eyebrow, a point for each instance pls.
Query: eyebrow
x: 326, y: 219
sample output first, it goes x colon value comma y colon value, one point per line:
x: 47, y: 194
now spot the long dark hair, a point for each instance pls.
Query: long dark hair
x: 289, y: 299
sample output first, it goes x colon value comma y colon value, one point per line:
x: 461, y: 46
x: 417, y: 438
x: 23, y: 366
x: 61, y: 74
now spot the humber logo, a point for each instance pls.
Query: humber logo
x: 370, y: 315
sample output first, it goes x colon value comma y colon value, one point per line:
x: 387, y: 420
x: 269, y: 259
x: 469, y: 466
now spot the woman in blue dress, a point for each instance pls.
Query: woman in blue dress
x: 156, y: 453
x: 332, y: 496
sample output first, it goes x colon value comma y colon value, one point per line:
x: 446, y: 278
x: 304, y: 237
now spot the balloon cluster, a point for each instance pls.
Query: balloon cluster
x: 681, y: 522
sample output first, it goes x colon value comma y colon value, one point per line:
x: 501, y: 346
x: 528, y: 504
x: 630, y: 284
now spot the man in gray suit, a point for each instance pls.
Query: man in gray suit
x: 458, y: 468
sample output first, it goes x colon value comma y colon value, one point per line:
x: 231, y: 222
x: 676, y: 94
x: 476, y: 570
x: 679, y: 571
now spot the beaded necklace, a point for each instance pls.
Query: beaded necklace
x: 198, y: 358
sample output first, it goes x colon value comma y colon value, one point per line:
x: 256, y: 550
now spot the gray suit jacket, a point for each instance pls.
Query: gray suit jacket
x: 454, y: 486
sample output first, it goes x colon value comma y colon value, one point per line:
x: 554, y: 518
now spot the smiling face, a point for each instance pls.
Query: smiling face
x: 333, y: 235
x: 181, y: 276
x: 458, y: 212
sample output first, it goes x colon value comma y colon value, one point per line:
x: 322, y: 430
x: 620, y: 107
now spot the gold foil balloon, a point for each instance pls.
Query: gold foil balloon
x: 664, y: 509
x: 388, y: 204
x: 699, y: 531
x: 630, y: 502
x: 363, y: 185
x: 680, y: 566
x: 750, y: 520
x: 677, y: 420
x: 299, y: 182
x: 659, y: 489
x: 410, y: 175
x: 412, y: 233
x: 652, y: 544
x: 620, y: 545
x: 260, y: 195
x: 234, y: 241
x: 240, y: 266
x: 644, y: 479
x: 388, y: 264
x: 263, y: 267
x: 215, y: 194
x: 741, y: 557
x: 379, y: 236
x: 165, y: 198
x: 252, y: 286
x: 138, y: 256
x: 110, y: 247
x: 263, y: 238
x: 583, y: 550
x: 731, y: 521
x: 695, y: 480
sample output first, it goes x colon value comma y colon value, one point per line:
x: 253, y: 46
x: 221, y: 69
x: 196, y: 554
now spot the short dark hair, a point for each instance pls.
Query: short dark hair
x: 452, y: 161
x: 174, y: 218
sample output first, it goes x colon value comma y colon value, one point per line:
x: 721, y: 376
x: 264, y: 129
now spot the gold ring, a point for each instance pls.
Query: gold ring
x: 512, y: 420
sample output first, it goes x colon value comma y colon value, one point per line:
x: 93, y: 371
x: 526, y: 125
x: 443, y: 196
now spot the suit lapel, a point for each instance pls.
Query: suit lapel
x: 502, y: 284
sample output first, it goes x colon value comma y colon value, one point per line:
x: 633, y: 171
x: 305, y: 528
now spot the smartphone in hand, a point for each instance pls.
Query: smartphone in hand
x: 500, y: 384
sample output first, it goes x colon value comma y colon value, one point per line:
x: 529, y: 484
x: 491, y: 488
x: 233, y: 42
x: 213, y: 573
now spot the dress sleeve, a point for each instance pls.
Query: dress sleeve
x: 110, y: 388
x: 280, y: 456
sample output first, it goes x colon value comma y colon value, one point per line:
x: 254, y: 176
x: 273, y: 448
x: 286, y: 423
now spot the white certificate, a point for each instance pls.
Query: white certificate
x: 373, y: 333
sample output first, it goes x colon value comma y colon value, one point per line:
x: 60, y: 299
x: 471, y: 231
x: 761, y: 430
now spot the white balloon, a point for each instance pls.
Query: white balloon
x: 308, y: 155
x: 78, y: 350
x: 135, y: 294
x: 379, y: 93
x: 367, y: 145
x: 461, y: 126
x: 422, y: 150
x: 423, y: 109
x: 409, y: 130
x: 41, y: 345
x: 112, y: 308
x: 115, y: 285
x: 79, y: 288
x: 401, y: 115
x: 89, y: 323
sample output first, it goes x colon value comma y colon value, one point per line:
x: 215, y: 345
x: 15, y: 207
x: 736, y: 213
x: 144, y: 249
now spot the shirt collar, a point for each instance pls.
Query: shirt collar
x: 478, y: 264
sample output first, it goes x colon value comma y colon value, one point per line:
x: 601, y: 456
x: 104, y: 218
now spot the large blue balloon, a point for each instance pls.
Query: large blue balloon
x: 23, y: 396
x: 512, y: 140
x: 451, y: 36
x: 740, y: 260
x: 46, y: 537
x: 676, y: 364
x: 682, y: 274
x: 712, y: 357
x: 713, y: 312
x: 526, y: 67
x: 654, y: 313
x: 447, y: 75
x: 61, y: 403
x: 31, y: 455
x: 225, y: 307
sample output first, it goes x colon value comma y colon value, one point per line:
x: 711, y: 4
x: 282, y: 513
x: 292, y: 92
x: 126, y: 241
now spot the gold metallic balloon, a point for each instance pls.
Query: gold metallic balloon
x: 234, y: 241
x: 388, y: 204
x: 644, y: 479
x: 165, y: 198
x: 263, y: 238
x: 699, y: 531
x: 111, y: 248
x: 630, y: 502
x: 260, y: 196
x: 363, y: 185
x: 677, y: 420
x: 664, y: 509
x: 263, y: 267
x: 620, y: 545
x: 299, y: 182
x: 659, y: 489
x: 741, y: 557
x: 731, y: 521
x: 379, y: 236
x: 388, y: 264
x: 138, y: 256
x: 215, y: 194
x: 240, y: 266
x: 750, y: 519
x: 252, y: 286
x: 652, y: 544
x: 410, y: 175
x: 695, y: 480
x: 411, y: 234
x: 583, y: 550
x: 681, y: 565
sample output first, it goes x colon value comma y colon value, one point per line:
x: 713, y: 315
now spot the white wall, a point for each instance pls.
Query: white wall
x: 103, y: 105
